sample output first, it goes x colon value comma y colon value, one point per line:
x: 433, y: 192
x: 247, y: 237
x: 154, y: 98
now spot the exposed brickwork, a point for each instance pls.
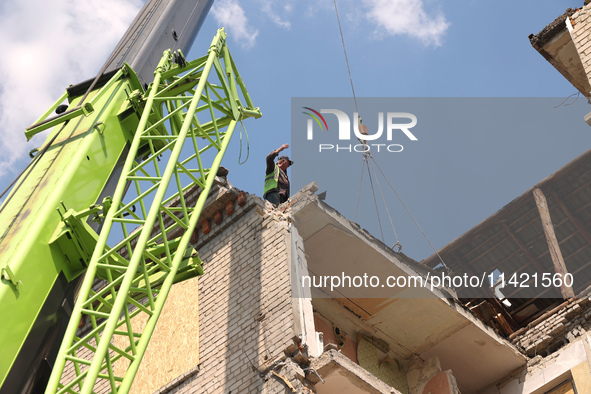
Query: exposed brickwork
x: 246, y: 317
x: 561, y: 328
x: 581, y: 21
x: 246, y: 320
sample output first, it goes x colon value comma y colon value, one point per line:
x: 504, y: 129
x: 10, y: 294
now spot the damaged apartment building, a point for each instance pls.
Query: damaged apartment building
x: 254, y: 327
x: 250, y: 324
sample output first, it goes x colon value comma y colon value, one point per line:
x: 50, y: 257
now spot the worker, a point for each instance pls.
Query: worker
x: 276, y: 189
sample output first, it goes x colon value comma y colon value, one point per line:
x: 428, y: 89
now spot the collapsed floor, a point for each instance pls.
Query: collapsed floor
x: 248, y: 324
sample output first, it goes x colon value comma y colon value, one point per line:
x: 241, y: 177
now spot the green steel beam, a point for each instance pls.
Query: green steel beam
x: 161, y: 164
x: 72, y: 169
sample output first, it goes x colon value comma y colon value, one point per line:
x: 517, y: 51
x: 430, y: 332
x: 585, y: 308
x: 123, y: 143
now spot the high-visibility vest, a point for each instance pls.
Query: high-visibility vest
x: 271, y: 180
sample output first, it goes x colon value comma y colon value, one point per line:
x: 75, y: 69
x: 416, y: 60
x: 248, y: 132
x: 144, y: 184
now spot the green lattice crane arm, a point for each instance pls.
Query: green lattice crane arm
x: 57, y: 223
x: 190, y: 111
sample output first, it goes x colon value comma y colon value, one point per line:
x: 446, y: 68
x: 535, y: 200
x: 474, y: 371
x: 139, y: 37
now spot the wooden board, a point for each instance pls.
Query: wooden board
x: 174, y: 346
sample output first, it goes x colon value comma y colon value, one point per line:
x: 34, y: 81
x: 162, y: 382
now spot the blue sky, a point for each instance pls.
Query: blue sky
x: 285, y: 49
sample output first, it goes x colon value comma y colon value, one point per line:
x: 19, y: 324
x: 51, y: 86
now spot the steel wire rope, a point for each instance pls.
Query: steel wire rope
x: 366, y: 154
x: 346, y: 57
x: 360, y: 184
x: 410, y: 214
x: 577, y: 95
x: 386, y: 206
x: 247, y: 145
x: 185, y: 25
x: 375, y: 202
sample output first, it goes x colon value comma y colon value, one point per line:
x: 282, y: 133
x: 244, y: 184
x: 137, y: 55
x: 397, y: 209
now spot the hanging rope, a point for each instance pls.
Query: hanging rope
x: 360, y: 184
x: 386, y: 205
x: 576, y: 95
x: 410, y: 214
x: 346, y: 57
x: 367, y: 156
x: 375, y: 203
x: 247, y: 145
x: 348, y: 69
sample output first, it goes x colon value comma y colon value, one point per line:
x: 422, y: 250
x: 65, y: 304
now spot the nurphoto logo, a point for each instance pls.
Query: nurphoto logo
x: 396, y: 123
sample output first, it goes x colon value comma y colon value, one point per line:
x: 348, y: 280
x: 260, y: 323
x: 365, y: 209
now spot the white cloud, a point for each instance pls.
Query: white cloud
x: 269, y: 8
x: 230, y: 15
x: 46, y: 46
x: 407, y: 17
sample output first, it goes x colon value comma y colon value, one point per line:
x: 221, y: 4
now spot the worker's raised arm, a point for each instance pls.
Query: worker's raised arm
x: 282, y: 148
x: 271, y: 157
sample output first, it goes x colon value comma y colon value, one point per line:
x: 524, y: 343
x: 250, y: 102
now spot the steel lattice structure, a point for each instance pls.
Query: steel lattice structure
x: 188, y: 115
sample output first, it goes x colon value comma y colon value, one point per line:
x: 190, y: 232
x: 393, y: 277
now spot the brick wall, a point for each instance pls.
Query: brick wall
x: 557, y: 344
x: 236, y: 326
x: 564, y: 326
x: 581, y: 22
x: 246, y: 319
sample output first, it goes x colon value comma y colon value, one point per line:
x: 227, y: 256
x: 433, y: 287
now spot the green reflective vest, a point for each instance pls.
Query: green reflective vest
x: 271, y: 181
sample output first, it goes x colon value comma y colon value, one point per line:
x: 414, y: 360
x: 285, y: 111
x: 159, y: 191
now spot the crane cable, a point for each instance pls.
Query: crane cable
x: 411, y: 215
x: 346, y: 57
x: 367, y: 155
x: 359, y: 194
x: 374, y: 199
x: 240, y: 162
x: 385, y: 205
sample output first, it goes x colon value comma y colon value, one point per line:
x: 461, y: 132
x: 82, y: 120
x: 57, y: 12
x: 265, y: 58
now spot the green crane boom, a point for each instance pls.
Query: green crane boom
x: 154, y: 145
x: 154, y: 261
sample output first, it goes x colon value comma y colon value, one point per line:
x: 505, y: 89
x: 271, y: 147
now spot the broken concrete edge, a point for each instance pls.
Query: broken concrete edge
x: 332, y: 361
x: 290, y: 375
x: 410, y: 266
x: 306, y: 196
x: 550, y: 31
x: 555, y: 39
